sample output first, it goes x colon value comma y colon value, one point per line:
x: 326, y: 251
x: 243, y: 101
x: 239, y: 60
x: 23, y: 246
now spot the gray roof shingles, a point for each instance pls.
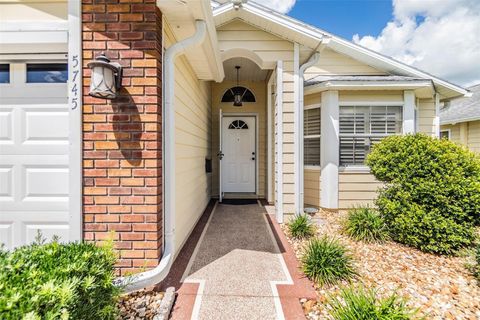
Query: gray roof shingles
x: 462, y: 109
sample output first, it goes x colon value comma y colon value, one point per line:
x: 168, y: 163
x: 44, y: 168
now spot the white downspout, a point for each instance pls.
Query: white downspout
x: 154, y: 276
x: 312, y: 61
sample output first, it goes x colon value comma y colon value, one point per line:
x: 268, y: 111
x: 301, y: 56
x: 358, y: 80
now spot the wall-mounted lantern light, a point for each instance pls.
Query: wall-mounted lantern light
x: 106, y: 78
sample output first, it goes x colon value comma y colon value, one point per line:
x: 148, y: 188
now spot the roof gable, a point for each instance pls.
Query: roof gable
x: 311, y: 37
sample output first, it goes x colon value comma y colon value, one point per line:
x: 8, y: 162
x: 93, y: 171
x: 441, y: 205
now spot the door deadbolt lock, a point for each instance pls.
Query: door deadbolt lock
x: 220, y: 155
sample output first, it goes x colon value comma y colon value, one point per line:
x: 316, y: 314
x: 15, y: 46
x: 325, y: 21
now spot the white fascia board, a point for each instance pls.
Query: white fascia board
x: 213, y: 44
x: 366, y: 85
x: 205, y: 59
x: 11, y: 26
x: 454, y: 122
x: 338, y: 44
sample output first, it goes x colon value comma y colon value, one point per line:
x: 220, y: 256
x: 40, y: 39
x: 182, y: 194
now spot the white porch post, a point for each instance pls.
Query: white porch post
x: 408, y: 112
x: 329, y: 150
x: 279, y: 142
x: 298, y: 127
x: 437, y: 115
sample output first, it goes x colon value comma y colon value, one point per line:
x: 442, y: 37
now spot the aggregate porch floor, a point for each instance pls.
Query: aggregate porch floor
x: 237, y: 264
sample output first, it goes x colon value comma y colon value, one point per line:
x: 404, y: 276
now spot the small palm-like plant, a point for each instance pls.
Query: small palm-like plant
x: 363, y: 304
x: 326, y: 261
x: 301, y: 227
x: 366, y: 224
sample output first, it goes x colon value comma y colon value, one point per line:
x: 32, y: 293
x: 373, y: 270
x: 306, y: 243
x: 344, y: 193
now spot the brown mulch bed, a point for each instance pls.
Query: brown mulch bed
x: 439, y: 287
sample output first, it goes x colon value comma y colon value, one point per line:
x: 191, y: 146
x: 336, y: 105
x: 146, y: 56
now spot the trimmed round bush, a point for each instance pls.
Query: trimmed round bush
x: 301, y: 227
x: 58, y: 281
x: 363, y: 304
x: 366, y: 224
x: 326, y: 261
x: 431, y: 198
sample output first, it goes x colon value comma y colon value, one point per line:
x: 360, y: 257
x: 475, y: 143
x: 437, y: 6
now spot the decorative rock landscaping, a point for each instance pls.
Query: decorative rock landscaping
x: 439, y: 287
x: 149, y: 305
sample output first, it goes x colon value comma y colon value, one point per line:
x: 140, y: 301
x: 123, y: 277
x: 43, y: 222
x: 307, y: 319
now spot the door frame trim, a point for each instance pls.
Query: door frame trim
x: 75, y: 103
x: 245, y: 114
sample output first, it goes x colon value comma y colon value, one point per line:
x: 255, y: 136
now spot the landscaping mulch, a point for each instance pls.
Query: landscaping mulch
x: 439, y: 287
x: 140, y: 305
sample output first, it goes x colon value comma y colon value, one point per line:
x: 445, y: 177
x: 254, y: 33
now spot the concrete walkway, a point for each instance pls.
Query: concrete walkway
x: 237, y: 265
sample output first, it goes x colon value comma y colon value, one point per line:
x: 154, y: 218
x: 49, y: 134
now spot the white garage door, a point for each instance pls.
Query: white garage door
x: 34, y: 152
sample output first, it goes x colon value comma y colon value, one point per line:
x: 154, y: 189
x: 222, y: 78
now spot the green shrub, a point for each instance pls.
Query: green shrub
x: 363, y: 304
x: 58, y: 281
x: 431, y: 198
x: 301, y: 227
x: 365, y: 224
x: 326, y: 261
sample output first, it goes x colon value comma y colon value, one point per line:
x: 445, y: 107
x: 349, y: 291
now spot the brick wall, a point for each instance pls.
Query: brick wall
x: 122, y: 138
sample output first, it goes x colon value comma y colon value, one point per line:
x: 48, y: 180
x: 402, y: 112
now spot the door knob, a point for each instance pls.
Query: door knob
x: 253, y: 158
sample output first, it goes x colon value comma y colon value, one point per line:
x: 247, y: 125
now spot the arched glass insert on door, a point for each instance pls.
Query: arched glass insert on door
x: 238, y: 124
x: 247, y: 95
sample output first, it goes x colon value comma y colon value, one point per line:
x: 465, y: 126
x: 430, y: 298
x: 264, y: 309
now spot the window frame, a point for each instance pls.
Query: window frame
x: 9, y: 73
x: 247, y: 89
x: 315, y: 136
x: 357, y: 167
x: 43, y: 62
x: 448, y: 131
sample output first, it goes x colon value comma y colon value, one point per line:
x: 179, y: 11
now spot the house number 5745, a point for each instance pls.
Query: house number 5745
x: 74, y: 76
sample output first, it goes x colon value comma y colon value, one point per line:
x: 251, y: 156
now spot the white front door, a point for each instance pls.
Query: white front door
x: 239, y: 154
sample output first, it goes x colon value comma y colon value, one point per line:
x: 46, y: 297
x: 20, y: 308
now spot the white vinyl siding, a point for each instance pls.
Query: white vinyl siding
x: 362, y: 126
x: 311, y: 140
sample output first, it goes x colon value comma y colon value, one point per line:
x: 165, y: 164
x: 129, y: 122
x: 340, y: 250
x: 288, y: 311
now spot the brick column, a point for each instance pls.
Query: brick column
x: 122, y: 160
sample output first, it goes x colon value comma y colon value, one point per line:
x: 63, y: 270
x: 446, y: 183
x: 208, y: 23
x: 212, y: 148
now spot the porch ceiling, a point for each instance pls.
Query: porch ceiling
x: 249, y: 71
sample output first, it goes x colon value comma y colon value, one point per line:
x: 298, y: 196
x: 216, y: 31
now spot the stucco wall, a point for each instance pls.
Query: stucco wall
x: 259, y: 107
x: 192, y: 145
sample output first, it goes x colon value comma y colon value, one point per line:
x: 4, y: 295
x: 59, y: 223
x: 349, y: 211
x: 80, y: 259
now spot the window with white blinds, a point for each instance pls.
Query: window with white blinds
x: 362, y: 126
x: 311, y: 139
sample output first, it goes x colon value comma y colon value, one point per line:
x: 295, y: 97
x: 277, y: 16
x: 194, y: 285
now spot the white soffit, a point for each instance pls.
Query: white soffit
x: 309, y: 36
x: 181, y: 15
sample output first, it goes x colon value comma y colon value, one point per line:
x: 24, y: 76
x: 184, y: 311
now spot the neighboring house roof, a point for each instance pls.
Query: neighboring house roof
x: 462, y: 109
x: 296, y: 31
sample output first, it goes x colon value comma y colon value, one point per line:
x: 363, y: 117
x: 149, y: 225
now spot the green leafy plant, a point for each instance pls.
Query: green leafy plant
x: 58, y: 281
x: 363, y: 304
x: 326, y: 261
x: 301, y: 227
x: 431, y: 198
x: 366, y: 224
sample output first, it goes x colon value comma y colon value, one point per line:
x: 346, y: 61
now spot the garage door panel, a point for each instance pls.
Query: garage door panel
x: 34, y: 129
x: 46, y: 232
x: 6, y: 234
x: 6, y: 182
x: 45, y: 126
x: 6, y: 126
x: 45, y: 182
